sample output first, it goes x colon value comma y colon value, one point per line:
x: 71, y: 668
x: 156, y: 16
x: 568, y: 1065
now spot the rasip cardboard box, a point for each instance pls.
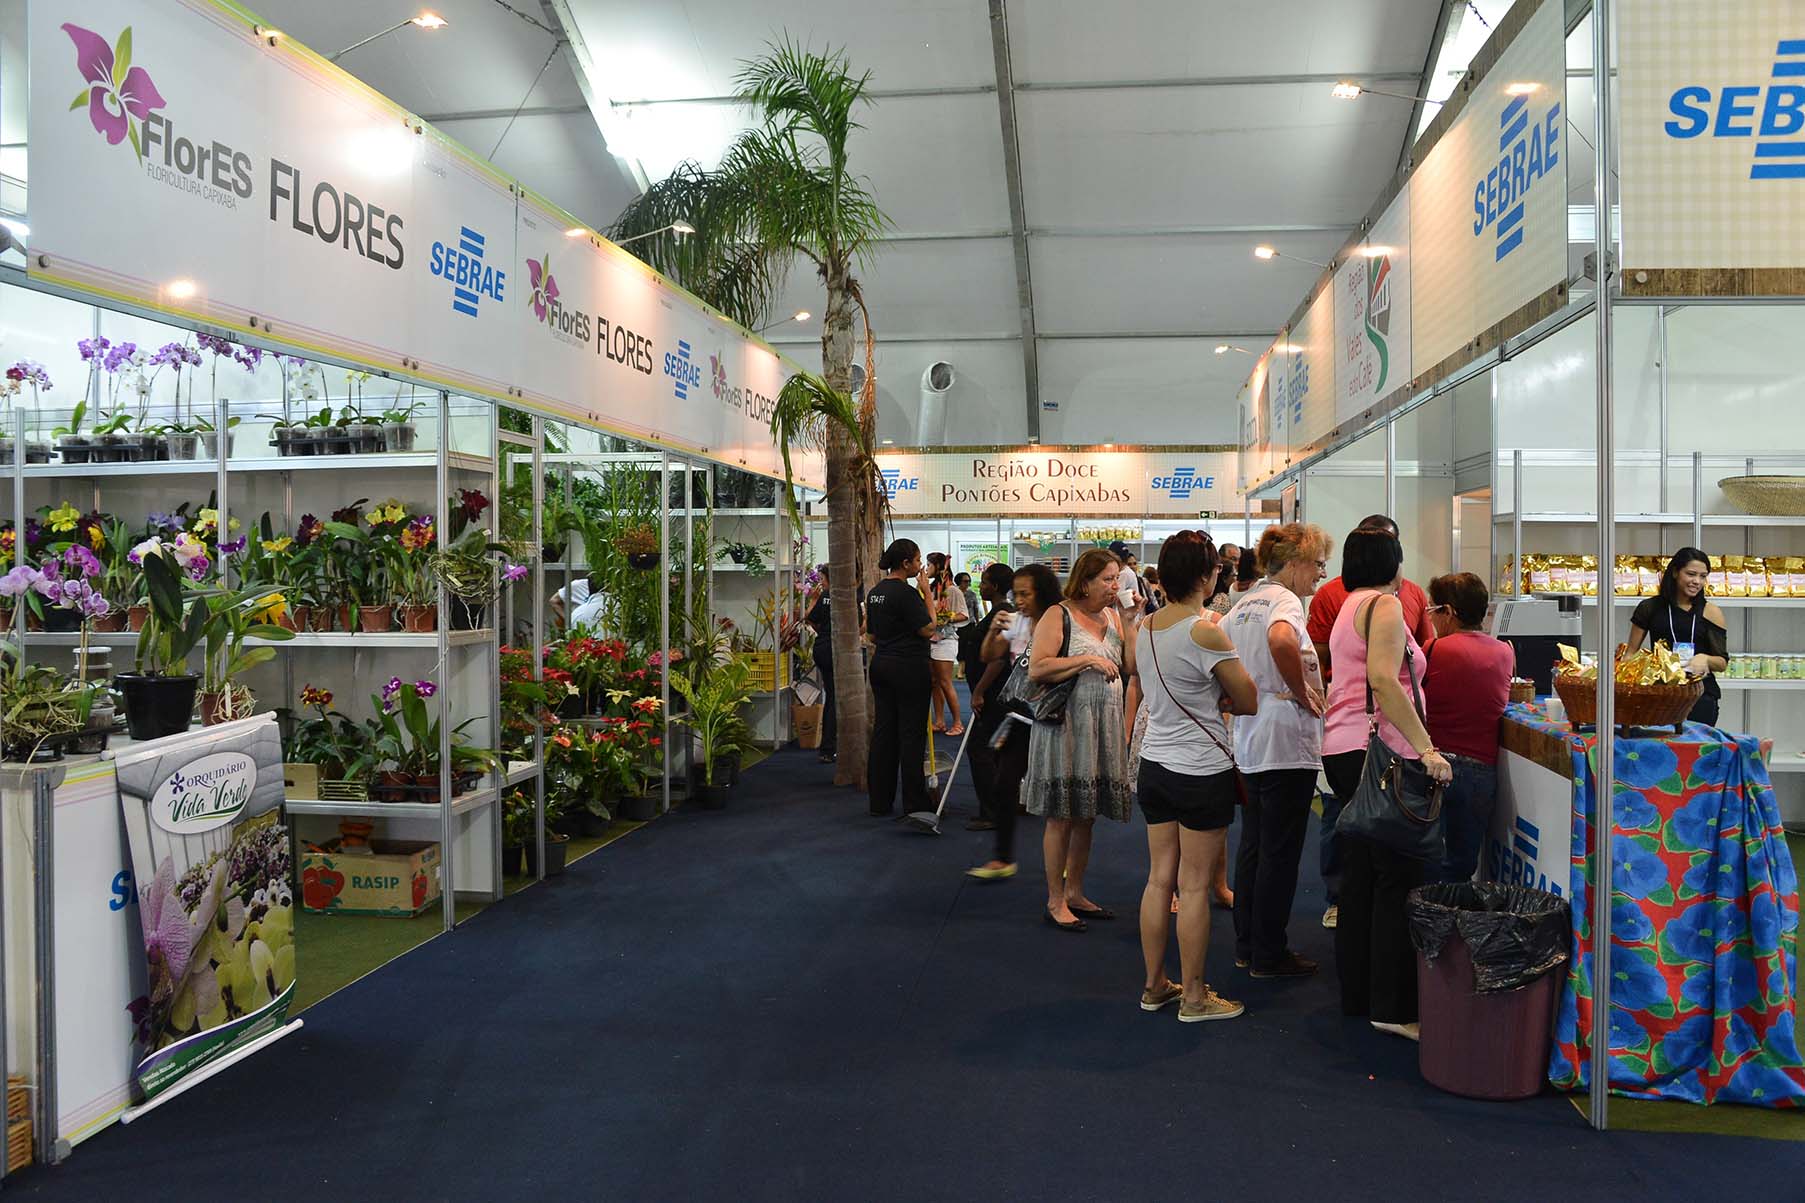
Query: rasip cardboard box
x: 391, y: 877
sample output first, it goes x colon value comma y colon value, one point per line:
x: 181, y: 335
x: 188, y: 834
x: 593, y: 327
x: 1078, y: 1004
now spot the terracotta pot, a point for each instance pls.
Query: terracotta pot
x: 355, y: 833
x: 294, y: 618
x: 419, y: 618
x: 213, y: 708
x: 319, y: 618
x: 344, y: 618
x: 136, y: 616
x: 388, y: 787
x: 112, y: 620
x: 375, y: 620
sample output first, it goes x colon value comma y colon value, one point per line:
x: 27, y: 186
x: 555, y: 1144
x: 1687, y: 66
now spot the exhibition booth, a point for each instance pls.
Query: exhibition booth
x: 304, y: 394
x: 1460, y: 367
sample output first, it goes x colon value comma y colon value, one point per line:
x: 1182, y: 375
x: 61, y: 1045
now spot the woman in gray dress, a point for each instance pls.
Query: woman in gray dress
x: 1078, y: 768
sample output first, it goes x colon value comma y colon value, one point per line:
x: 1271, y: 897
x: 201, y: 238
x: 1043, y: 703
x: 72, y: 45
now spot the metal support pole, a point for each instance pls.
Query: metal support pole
x: 1391, y: 476
x: 690, y: 635
x: 1518, y: 576
x: 664, y: 618
x: 1605, y: 765
x: 538, y: 640
x: 1698, y: 495
x: 43, y: 831
x: 447, y: 874
x: 776, y: 592
x: 221, y: 411
x: 1661, y: 380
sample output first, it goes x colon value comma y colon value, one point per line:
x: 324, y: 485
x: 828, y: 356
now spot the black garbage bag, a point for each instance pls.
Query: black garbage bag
x: 1515, y: 934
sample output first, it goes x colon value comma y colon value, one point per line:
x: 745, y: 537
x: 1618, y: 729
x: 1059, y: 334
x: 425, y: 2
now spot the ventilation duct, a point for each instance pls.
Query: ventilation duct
x: 930, y: 422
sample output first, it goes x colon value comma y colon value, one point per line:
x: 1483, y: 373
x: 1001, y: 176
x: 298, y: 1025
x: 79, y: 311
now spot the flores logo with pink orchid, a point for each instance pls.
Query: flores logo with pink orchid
x: 122, y: 103
x: 567, y: 325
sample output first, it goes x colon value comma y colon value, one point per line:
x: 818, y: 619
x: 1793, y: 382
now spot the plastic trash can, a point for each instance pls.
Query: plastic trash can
x: 1486, y: 986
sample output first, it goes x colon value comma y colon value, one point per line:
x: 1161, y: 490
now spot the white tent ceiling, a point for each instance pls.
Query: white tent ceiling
x: 1158, y: 141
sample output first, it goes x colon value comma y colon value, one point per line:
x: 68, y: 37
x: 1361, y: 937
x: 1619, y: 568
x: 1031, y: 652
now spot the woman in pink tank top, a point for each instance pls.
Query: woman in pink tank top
x: 1373, y: 956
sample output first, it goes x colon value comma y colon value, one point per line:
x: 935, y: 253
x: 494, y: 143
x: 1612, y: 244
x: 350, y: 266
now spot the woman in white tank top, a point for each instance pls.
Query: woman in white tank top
x: 1185, y: 670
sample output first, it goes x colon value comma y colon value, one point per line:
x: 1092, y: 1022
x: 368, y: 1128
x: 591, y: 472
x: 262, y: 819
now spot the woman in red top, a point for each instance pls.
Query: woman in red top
x: 1465, y: 689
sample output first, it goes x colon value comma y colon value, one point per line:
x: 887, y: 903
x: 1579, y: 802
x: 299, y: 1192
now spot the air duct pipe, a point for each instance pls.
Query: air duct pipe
x: 930, y: 421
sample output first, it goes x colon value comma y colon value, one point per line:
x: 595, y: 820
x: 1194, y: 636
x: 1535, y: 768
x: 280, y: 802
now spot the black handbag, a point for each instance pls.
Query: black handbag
x: 1050, y: 703
x: 1397, y: 805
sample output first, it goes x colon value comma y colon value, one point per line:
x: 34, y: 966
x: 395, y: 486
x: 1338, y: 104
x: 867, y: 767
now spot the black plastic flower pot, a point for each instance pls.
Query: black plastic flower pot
x: 594, y: 826
x: 644, y: 560
x: 639, y: 809
x: 157, y: 706
x: 466, y: 616
x: 511, y: 857
x: 714, y: 797
x: 555, y: 850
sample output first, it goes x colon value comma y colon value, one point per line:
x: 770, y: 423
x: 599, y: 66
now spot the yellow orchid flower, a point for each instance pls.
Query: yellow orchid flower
x: 63, y: 518
x: 277, y: 546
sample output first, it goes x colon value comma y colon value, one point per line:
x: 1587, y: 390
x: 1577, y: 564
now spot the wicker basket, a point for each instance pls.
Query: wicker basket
x: 1772, y: 496
x: 1522, y: 691
x: 1637, y: 705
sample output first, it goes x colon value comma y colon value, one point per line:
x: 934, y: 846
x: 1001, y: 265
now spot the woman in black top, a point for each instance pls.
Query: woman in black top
x: 821, y: 618
x: 899, y: 624
x: 1685, y: 620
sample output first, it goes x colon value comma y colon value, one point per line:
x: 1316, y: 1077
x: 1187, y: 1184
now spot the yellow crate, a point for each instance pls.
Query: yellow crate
x: 770, y: 671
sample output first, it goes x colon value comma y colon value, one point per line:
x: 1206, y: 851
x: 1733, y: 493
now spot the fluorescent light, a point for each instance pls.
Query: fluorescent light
x: 1222, y: 348
x: 575, y: 232
x: 1346, y: 91
x: 681, y: 227
x: 1264, y: 252
x: 181, y: 290
x: 429, y: 20
x: 1521, y: 88
x: 888, y: 442
x: 803, y: 315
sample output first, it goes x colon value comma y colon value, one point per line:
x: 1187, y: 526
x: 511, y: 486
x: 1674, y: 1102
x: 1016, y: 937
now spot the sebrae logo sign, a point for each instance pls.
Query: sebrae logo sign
x: 118, y: 95
x: 1780, y: 149
x: 471, y: 279
x: 685, y: 373
x: 204, y: 794
x: 1182, y: 483
x: 1528, y: 150
x: 895, y: 482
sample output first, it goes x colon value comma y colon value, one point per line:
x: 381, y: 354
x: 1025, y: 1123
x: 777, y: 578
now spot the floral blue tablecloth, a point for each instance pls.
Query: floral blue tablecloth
x: 1704, y: 923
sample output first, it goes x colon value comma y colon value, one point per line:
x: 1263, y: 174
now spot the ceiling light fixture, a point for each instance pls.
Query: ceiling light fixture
x: 1266, y: 252
x: 1353, y: 91
x: 427, y: 20
x: 801, y: 315
x: 1225, y: 348
x: 679, y: 228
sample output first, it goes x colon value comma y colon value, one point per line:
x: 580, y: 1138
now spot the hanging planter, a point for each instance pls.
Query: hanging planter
x: 639, y: 544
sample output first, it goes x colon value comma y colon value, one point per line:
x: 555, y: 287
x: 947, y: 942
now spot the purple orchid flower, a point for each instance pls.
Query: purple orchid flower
x: 233, y: 547
x: 514, y: 572
x: 84, y: 562
x: 119, y: 356
x: 19, y: 580
x: 197, y: 568
x: 93, y: 348
x: 425, y: 688
x: 114, y: 109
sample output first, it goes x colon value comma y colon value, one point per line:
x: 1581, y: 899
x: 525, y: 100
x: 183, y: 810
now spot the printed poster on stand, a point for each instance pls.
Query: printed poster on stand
x: 1488, y: 206
x: 1372, y: 315
x: 210, y: 856
x: 1712, y: 133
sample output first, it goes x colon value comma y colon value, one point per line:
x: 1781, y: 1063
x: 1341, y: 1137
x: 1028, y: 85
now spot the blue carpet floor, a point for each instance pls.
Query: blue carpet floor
x: 791, y: 1000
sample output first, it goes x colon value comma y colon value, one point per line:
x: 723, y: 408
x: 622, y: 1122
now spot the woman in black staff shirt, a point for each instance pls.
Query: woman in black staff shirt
x: 900, y: 626
x: 1695, y: 628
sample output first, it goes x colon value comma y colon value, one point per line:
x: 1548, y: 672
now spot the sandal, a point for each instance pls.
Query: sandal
x: 956, y: 729
x: 1100, y: 912
x: 1075, y: 925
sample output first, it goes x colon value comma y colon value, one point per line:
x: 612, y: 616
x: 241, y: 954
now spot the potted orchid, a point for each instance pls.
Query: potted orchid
x: 159, y: 692
x: 231, y: 618
x: 398, y: 430
x: 247, y: 358
x: 26, y: 373
x: 405, y: 736
x: 155, y: 441
x: 410, y: 559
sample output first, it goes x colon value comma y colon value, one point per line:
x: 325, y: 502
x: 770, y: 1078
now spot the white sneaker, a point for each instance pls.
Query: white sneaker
x: 1331, y: 916
x: 1408, y: 1031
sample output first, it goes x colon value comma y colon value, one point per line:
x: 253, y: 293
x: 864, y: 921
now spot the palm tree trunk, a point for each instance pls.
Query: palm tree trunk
x: 851, y: 695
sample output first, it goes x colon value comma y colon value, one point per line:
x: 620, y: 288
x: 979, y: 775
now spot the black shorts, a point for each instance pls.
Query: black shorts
x: 1196, y: 803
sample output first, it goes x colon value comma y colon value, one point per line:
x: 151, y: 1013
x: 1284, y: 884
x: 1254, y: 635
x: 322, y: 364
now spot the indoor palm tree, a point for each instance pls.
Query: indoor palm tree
x: 784, y: 190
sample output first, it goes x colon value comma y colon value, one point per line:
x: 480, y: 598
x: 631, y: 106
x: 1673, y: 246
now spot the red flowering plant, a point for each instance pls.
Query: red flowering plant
x: 586, y: 767
x: 523, y: 701
x: 594, y: 666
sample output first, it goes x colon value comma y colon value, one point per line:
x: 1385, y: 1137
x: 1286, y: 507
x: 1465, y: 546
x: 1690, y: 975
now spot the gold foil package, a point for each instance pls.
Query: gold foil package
x: 1736, y: 577
x: 1648, y: 575
x: 1755, y: 568
x: 1657, y: 665
x: 1541, y: 579
x: 1588, y: 575
x: 1792, y: 568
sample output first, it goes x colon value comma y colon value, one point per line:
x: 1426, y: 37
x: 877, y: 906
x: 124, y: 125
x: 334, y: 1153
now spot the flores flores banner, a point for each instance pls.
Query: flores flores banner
x: 1038, y: 482
x: 182, y: 163
x: 210, y: 856
x: 1713, y: 140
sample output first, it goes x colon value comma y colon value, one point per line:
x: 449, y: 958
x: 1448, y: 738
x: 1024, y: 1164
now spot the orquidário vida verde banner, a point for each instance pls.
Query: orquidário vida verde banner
x: 210, y: 855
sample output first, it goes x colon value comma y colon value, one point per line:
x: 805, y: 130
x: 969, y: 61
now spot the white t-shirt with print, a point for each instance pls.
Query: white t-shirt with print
x: 1283, y: 734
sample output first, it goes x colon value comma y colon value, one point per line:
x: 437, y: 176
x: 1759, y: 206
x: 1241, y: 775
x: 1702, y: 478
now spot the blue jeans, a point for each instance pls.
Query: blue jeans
x: 1466, y: 816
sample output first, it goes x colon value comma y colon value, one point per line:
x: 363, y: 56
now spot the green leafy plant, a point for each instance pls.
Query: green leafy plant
x: 232, y: 618
x: 406, y: 735
x: 357, y: 564
x: 36, y: 702
x: 331, y: 740
x: 73, y: 429
x: 177, y: 621
x: 715, y: 694
x: 755, y: 556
